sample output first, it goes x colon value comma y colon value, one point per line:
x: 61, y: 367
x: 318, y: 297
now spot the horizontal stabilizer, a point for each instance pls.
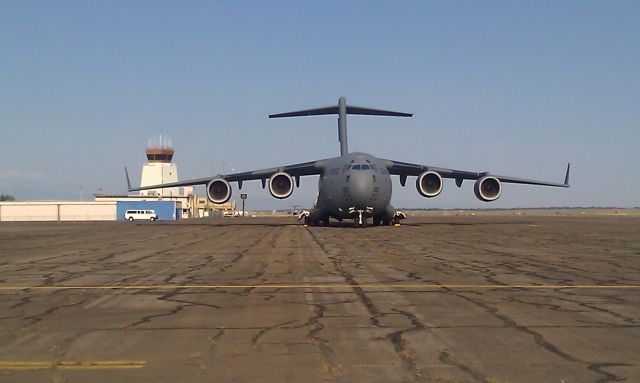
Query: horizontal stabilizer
x: 342, y: 110
x: 375, y: 112
x: 308, y: 112
x: 335, y: 110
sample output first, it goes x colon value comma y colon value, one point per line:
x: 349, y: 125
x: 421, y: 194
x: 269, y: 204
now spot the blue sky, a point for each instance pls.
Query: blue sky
x: 514, y: 88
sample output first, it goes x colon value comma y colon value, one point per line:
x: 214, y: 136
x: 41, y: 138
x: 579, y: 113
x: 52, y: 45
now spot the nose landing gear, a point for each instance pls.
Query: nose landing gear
x: 360, y: 221
x: 360, y: 216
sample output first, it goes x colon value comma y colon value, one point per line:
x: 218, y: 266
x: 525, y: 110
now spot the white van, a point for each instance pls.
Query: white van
x: 132, y: 215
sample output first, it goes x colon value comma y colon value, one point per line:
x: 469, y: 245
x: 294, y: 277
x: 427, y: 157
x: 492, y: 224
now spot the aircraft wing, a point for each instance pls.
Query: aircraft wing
x: 295, y: 170
x: 404, y: 169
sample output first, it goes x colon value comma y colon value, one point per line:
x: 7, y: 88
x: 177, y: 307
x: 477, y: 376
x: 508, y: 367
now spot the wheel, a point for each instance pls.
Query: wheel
x: 131, y: 219
x: 356, y: 222
x: 153, y: 219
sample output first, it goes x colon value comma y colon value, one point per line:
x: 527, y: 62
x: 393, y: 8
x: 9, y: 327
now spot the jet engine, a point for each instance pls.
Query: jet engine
x: 218, y: 190
x: 429, y: 184
x: 487, y: 188
x: 281, y: 185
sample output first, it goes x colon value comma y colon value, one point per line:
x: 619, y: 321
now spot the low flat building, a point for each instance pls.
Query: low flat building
x: 58, y: 211
x: 165, y: 210
x: 192, y: 206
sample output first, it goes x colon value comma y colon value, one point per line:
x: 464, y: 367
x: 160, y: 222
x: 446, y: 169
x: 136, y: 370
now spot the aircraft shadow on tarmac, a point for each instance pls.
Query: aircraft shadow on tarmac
x: 466, y: 223
x: 229, y: 224
x: 345, y: 224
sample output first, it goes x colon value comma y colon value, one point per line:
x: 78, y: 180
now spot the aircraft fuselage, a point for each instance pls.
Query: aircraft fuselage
x: 356, y: 183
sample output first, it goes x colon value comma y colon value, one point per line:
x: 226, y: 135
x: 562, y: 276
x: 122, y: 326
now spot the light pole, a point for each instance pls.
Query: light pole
x: 243, y: 196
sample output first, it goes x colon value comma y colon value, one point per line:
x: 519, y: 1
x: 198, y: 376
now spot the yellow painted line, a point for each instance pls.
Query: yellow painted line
x: 70, y: 364
x: 314, y: 286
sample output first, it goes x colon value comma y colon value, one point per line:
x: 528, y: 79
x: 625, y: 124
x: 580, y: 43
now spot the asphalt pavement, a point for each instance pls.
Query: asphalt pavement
x: 456, y: 298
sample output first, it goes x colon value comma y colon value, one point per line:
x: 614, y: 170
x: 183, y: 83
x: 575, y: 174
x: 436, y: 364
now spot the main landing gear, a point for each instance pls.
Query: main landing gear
x: 305, y: 217
x: 386, y: 220
x: 397, y: 216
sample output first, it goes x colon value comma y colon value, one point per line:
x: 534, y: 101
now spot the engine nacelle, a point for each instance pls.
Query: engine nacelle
x: 281, y: 185
x: 487, y: 188
x: 218, y: 190
x: 429, y: 184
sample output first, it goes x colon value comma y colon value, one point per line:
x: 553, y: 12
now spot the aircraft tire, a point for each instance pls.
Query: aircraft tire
x: 131, y: 219
x: 357, y: 224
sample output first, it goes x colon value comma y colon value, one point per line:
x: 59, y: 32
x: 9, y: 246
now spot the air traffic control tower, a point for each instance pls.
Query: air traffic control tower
x: 159, y: 168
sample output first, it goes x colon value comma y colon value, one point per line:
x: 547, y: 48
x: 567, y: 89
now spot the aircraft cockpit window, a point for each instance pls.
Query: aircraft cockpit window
x: 365, y: 167
x: 355, y: 167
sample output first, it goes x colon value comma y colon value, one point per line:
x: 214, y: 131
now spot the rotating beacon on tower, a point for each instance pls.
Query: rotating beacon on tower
x: 159, y: 169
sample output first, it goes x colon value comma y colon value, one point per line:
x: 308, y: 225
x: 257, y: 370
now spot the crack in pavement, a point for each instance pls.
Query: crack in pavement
x: 539, y: 339
x: 38, y: 317
x: 213, y: 339
x: 445, y: 358
x: 149, y: 318
x: 400, y: 347
x: 328, y: 356
x: 255, y: 340
x: 608, y: 377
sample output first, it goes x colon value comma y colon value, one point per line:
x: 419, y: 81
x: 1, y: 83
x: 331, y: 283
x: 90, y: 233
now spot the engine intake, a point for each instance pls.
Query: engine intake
x: 218, y: 190
x: 487, y: 188
x: 281, y: 185
x: 429, y: 184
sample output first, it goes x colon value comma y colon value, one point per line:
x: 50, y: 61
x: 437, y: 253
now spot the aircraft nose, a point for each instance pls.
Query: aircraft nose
x: 361, y: 188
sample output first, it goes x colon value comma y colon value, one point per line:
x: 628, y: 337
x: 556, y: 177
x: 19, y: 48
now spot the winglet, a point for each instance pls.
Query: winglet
x: 566, y: 177
x: 126, y: 172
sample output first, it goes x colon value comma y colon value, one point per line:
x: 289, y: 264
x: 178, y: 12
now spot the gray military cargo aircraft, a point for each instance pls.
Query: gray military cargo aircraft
x: 354, y: 186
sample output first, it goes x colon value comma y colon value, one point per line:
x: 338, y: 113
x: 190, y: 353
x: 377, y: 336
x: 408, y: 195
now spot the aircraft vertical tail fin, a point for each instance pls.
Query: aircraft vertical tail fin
x: 342, y: 109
